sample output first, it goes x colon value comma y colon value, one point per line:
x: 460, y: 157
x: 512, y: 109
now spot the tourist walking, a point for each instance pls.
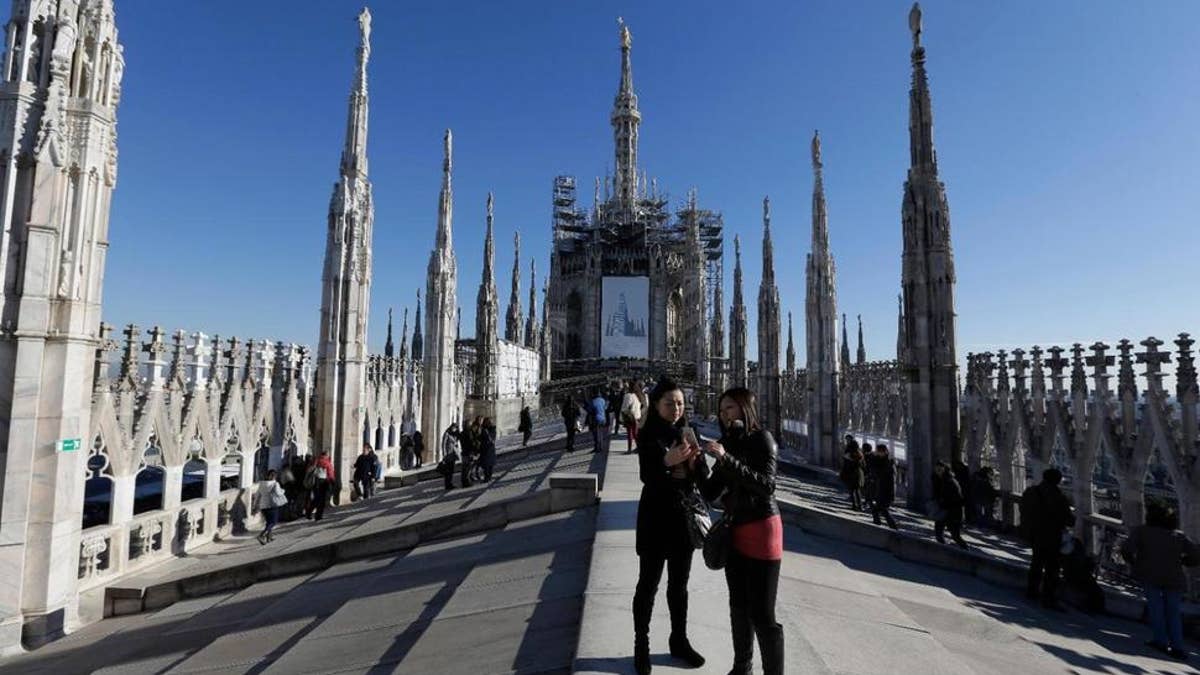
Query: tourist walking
x: 613, y: 403
x: 487, y: 448
x: 1157, y: 553
x: 962, y: 474
x: 670, y: 470
x: 322, y: 477
x: 598, y: 421
x: 883, y: 470
x: 570, y: 417
x: 270, y: 499
x: 743, y: 478
x: 418, y: 448
x: 983, y: 495
x: 1045, y: 516
x: 449, y: 455
x: 526, y: 426
x: 469, y: 443
x: 947, y: 505
x: 631, y: 414
x: 365, y: 467
x: 852, y: 474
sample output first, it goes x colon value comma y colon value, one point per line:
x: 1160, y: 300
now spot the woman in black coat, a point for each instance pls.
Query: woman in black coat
x: 487, y: 448
x: 671, y: 468
x: 948, y: 495
x: 744, y: 479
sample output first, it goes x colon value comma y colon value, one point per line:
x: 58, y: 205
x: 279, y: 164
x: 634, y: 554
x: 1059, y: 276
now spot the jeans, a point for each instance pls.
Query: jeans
x: 271, y: 516
x: 855, y: 498
x: 753, y: 587
x: 1165, y: 620
x: 1043, y: 572
x: 650, y: 570
x: 599, y: 436
x: 320, y: 498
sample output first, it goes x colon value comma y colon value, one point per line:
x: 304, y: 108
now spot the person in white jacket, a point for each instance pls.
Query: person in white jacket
x: 631, y: 415
x: 270, y: 498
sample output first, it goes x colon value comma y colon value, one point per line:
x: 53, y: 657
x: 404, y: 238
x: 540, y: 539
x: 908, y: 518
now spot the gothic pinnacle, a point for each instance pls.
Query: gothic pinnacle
x: 446, y: 201
x: 389, y: 349
x: 489, y: 246
x: 768, y: 273
x: 354, y: 154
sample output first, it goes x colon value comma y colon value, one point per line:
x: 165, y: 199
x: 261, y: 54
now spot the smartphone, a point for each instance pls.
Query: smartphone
x: 689, y: 437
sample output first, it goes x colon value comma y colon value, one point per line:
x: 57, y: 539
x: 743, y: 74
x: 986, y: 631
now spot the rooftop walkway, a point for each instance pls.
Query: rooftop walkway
x: 552, y: 594
x: 848, y: 608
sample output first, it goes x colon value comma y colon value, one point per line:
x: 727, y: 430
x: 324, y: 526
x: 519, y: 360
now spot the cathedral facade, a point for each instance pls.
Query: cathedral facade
x: 630, y: 281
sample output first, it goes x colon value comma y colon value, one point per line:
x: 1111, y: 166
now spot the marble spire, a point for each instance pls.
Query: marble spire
x: 441, y: 316
x: 346, y: 283
x: 512, y: 321
x: 625, y: 122
x: 769, y: 333
x: 487, y: 312
x: 737, y: 322
x: 820, y: 318
x: 927, y: 355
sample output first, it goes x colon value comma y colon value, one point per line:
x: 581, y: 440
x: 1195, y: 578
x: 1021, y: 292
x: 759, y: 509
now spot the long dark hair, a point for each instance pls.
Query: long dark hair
x: 664, y: 386
x: 746, y: 401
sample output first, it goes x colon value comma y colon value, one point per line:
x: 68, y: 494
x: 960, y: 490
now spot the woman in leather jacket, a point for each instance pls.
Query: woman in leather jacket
x: 670, y: 468
x: 743, y: 478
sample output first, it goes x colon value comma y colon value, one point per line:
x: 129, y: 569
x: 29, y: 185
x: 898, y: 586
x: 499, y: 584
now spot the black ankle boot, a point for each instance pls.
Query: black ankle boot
x: 641, y: 655
x: 682, y: 649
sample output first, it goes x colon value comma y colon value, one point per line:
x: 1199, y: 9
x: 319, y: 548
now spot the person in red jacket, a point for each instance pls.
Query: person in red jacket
x: 323, y: 477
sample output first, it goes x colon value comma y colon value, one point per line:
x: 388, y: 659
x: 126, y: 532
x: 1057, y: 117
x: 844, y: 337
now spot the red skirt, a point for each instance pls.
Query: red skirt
x: 761, y: 539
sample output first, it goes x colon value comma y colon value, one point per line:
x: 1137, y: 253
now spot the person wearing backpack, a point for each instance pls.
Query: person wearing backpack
x: 1157, y: 553
x: 1045, y: 515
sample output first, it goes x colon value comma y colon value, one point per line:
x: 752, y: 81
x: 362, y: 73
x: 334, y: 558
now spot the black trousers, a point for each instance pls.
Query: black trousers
x: 753, y: 586
x: 1043, y: 572
x: 448, y: 476
x: 955, y: 527
x: 650, y: 571
x: 366, y: 487
x: 320, y: 498
x: 881, y: 509
x: 525, y: 437
x: 466, y: 471
x: 570, y: 434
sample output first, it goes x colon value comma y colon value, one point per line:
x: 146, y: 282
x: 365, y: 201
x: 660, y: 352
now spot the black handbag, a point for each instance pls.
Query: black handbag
x: 699, y: 522
x: 717, y: 543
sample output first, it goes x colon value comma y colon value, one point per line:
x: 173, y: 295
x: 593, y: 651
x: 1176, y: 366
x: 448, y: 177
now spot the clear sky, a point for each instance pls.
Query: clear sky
x: 1068, y: 136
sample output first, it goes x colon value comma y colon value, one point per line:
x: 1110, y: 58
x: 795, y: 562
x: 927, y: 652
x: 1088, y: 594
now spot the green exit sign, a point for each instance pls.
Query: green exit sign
x: 68, y: 444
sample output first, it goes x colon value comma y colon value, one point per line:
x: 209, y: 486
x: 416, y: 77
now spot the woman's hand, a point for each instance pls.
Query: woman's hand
x: 715, y: 449
x: 679, y: 453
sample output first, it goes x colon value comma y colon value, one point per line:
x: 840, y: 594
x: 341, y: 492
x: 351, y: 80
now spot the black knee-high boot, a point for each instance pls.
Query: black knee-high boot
x: 677, y: 602
x: 770, y: 644
x: 743, y: 642
x: 643, y: 608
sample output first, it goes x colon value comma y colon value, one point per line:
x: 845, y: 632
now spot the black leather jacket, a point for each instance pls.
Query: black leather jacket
x: 746, y: 476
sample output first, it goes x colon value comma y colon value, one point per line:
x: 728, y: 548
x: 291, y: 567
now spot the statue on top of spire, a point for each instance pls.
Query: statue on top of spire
x: 626, y: 38
x: 914, y: 23
x: 816, y: 149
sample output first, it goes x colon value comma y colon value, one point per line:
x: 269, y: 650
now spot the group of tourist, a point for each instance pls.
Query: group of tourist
x: 675, y: 478
x: 604, y: 413
x: 1155, y: 551
x: 870, y: 477
x: 473, y: 448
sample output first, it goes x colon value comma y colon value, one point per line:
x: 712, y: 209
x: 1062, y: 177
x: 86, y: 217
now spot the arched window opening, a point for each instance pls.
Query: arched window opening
x: 98, y: 490
x: 675, y: 324
x: 195, y: 473
x: 231, y: 464
x: 262, y: 462
x: 391, y: 435
x: 150, y: 481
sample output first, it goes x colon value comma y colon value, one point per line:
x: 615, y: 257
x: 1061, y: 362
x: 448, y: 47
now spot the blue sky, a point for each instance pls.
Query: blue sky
x: 1068, y: 136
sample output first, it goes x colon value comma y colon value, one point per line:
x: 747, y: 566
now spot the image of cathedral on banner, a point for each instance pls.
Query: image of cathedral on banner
x: 625, y: 314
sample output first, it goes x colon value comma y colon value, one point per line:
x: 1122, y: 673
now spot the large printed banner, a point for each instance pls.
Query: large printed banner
x: 625, y: 317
